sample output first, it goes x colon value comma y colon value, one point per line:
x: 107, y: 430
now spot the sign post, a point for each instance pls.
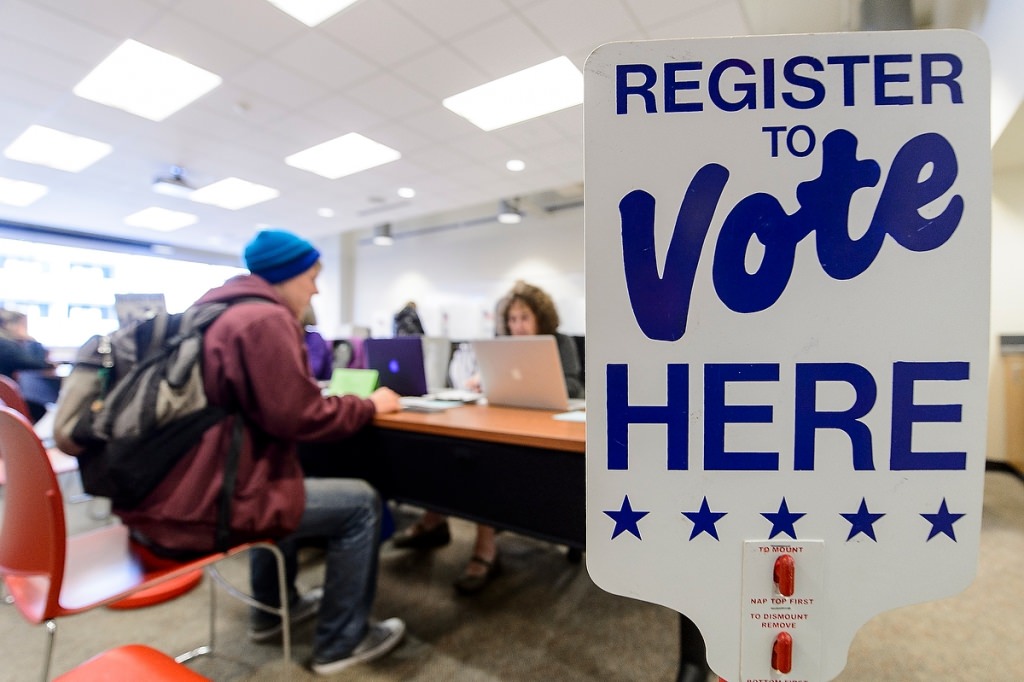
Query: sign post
x: 787, y: 333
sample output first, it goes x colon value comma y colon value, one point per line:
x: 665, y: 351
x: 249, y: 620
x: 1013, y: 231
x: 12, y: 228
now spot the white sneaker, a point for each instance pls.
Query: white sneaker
x: 381, y: 639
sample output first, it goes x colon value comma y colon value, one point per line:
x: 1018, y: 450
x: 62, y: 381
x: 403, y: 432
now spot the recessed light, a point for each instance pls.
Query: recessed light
x: 325, y: 212
x: 382, y: 235
x: 509, y: 213
x: 146, y: 82
x: 52, y: 148
x: 406, y: 192
x: 515, y: 165
x: 233, y: 194
x: 541, y: 89
x: 161, y: 219
x: 311, y: 12
x: 343, y: 156
x: 20, y: 192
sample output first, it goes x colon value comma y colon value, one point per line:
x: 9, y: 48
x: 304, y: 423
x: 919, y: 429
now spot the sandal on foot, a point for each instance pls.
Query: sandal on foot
x: 418, y: 536
x: 469, y: 583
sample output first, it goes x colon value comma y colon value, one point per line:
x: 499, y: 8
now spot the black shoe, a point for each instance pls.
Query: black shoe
x: 471, y: 584
x: 418, y: 537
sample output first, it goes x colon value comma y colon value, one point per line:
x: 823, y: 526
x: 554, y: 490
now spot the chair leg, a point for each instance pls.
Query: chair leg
x: 51, y: 635
x: 203, y: 649
x: 283, y: 612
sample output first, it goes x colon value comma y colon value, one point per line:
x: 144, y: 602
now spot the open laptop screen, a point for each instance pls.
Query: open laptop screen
x: 522, y: 371
x: 399, y: 364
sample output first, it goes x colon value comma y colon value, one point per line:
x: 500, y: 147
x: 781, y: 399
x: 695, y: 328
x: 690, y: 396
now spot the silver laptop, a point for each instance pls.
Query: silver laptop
x: 523, y: 371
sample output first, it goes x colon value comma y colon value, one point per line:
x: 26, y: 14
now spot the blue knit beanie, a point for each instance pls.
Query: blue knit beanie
x: 276, y: 255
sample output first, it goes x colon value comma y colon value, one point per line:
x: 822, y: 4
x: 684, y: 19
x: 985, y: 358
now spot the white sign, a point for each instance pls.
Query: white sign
x: 787, y: 333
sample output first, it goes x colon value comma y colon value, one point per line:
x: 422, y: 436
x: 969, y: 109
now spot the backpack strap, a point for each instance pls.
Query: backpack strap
x: 227, y: 488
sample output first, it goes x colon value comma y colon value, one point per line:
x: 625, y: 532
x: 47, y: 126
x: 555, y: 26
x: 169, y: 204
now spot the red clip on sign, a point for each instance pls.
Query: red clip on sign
x: 787, y: 338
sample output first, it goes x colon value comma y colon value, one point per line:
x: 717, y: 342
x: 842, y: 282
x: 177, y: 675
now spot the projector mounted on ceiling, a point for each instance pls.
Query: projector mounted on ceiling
x: 173, y: 184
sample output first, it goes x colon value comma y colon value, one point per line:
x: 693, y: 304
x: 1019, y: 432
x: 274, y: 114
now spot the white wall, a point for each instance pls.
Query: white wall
x: 456, y: 275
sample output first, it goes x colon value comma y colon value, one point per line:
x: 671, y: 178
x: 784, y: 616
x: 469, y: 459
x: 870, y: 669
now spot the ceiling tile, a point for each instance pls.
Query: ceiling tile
x: 559, y: 22
x: 389, y: 96
x: 341, y: 114
x: 505, y: 46
x: 653, y: 13
x: 321, y: 59
x: 43, y: 65
x: 720, y: 19
x: 120, y: 19
x: 254, y: 24
x: 440, y: 72
x: 279, y: 84
x: 447, y: 19
x: 196, y: 44
x: 379, y: 30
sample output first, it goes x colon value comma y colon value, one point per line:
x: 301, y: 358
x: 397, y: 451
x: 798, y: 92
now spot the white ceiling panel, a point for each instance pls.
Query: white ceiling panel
x: 324, y: 60
x: 450, y: 18
x: 559, y: 22
x: 440, y: 72
x: 379, y: 30
x: 505, y: 46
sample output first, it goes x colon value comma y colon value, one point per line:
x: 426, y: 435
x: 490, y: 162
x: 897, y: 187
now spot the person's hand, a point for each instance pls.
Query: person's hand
x: 385, y: 400
x: 473, y: 383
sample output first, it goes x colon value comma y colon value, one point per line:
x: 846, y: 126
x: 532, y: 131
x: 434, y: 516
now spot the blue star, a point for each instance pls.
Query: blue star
x: 942, y: 522
x: 862, y: 522
x: 783, y: 520
x: 625, y: 519
x: 704, y: 520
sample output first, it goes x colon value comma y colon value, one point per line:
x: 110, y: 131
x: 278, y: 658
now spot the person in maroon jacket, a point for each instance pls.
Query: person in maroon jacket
x: 255, y: 366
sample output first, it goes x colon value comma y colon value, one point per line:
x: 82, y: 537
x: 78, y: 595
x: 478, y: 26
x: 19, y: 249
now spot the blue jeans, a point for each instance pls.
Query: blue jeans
x: 345, y: 512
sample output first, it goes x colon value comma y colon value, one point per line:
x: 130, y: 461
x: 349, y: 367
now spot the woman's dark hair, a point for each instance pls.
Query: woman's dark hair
x: 534, y: 298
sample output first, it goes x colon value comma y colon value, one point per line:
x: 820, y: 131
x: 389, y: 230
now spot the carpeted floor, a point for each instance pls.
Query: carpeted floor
x: 543, y: 619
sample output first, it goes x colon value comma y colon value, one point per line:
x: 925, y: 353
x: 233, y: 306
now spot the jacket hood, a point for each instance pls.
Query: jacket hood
x: 242, y: 286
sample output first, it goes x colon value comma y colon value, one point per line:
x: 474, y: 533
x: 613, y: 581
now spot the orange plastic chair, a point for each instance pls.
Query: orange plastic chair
x: 131, y: 662
x: 49, y: 574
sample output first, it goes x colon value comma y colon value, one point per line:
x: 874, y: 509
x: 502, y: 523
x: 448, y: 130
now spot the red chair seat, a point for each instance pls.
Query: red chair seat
x: 131, y: 662
x: 163, y: 591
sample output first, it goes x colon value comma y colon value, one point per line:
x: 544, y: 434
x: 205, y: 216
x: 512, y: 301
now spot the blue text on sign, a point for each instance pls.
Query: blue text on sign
x: 675, y: 415
x: 737, y: 84
x: 922, y: 171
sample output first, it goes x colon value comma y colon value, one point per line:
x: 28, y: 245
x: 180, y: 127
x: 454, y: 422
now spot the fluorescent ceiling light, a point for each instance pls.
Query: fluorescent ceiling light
x: 146, y: 82
x: 343, y: 156
x: 20, y: 192
x: 532, y: 92
x: 311, y: 12
x: 54, y: 149
x: 233, y: 193
x: 162, y: 219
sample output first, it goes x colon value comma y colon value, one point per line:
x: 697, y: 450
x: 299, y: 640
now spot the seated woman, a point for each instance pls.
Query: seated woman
x: 525, y: 310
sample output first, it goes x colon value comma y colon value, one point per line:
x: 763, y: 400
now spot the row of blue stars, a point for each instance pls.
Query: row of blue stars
x: 783, y: 521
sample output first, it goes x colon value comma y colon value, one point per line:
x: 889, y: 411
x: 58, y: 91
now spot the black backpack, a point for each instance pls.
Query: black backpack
x: 134, y: 404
